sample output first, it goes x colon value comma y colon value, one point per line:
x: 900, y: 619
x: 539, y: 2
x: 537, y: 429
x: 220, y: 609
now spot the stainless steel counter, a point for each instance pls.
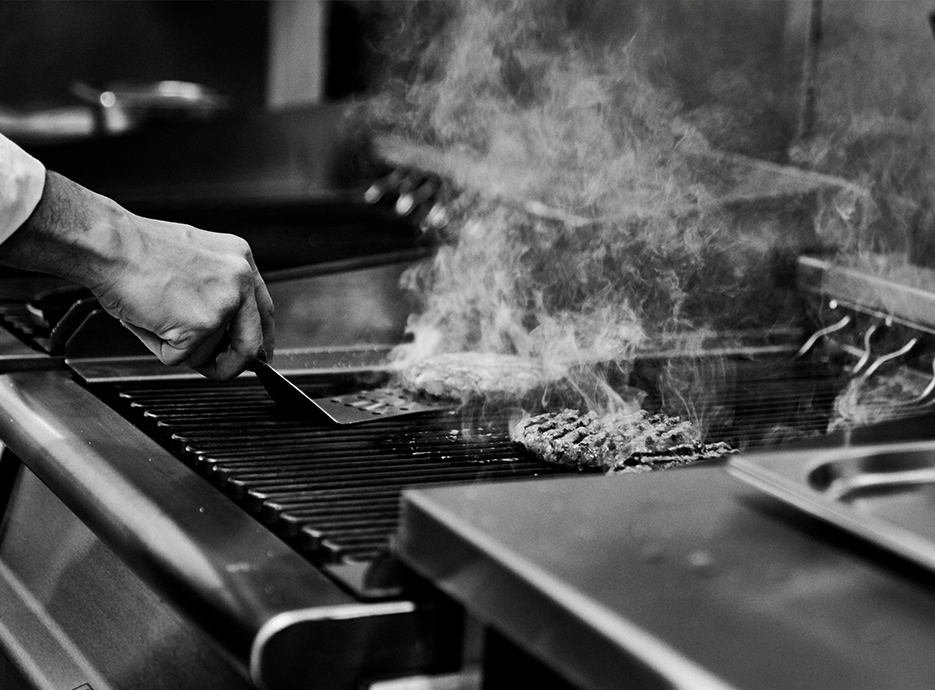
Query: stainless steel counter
x: 686, y: 578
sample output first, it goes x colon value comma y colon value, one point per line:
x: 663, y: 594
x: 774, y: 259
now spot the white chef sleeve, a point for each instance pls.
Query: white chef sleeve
x: 22, y: 179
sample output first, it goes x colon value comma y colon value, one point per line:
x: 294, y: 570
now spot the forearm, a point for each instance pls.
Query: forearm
x: 183, y: 291
x: 72, y: 233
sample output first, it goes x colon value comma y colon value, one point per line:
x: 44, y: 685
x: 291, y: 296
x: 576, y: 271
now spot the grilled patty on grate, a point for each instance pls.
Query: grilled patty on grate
x: 463, y: 375
x: 624, y: 442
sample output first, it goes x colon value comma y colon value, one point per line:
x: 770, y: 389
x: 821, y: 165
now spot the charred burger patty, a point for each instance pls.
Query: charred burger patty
x: 625, y: 442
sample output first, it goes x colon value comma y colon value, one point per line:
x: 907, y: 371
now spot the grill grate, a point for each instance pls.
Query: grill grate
x: 333, y: 492
x: 756, y: 402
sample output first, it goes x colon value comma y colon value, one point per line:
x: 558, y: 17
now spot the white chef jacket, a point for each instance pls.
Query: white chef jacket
x: 22, y: 179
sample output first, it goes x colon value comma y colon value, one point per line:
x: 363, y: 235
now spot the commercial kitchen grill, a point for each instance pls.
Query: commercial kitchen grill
x: 814, y: 572
x: 280, y: 569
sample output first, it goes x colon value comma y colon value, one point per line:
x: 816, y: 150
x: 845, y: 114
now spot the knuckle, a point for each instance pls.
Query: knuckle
x: 244, y: 247
x: 240, y: 248
x: 242, y: 276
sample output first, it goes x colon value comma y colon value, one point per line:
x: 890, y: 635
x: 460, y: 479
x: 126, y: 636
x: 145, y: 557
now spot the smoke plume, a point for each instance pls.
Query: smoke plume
x: 606, y: 200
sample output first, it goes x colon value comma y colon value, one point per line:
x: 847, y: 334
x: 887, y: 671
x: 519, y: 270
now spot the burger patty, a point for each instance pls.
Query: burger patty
x: 464, y: 375
x: 623, y: 442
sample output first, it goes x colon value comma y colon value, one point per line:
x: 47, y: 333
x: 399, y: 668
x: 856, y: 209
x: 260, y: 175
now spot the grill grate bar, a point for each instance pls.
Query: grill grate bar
x: 254, y: 492
x: 349, y: 467
x: 433, y: 425
x: 290, y: 525
x: 255, y: 499
x: 225, y: 419
x: 348, y: 510
x: 335, y: 454
x: 309, y: 480
x: 272, y: 508
x: 312, y: 538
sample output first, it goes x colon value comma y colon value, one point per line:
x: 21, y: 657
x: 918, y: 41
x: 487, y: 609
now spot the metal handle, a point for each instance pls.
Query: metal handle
x: 283, y: 392
x: 817, y: 335
x: 868, y: 350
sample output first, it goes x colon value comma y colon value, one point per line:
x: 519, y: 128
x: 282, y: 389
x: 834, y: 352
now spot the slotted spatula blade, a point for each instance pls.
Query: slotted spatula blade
x: 354, y: 408
x: 370, y: 405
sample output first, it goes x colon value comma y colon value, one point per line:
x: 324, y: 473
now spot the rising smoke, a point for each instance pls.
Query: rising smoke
x: 603, y: 174
x: 875, y: 113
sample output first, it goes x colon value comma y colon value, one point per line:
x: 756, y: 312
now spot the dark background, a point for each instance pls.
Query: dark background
x: 47, y: 44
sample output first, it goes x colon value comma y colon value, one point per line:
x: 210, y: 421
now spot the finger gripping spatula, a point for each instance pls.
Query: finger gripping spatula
x: 353, y: 408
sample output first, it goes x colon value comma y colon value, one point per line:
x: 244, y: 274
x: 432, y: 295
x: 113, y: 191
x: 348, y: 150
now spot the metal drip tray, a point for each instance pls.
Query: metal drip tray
x: 883, y: 493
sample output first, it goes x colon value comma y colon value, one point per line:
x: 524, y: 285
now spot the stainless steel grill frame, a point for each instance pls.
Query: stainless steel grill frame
x: 331, y: 601
x: 227, y: 581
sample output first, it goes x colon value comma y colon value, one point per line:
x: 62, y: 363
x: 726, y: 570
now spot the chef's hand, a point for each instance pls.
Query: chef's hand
x: 193, y: 297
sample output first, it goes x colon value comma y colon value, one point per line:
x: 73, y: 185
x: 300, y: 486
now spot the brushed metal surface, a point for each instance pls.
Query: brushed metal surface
x: 678, y: 579
x: 281, y: 620
x: 168, y: 524
x: 861, y: 289
x: 72, y: 613
x: 15, y: 355
x: 881, y: 493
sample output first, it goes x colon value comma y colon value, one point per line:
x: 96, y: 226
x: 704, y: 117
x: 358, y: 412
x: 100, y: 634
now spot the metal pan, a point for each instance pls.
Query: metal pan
x: 884, y: 494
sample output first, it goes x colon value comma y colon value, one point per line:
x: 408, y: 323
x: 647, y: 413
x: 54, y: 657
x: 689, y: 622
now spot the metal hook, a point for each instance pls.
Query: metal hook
x: 880, y: 361
x: 376, y: 191
x: 867, y: 354
x: 818, y: 335
x: 925, y: 397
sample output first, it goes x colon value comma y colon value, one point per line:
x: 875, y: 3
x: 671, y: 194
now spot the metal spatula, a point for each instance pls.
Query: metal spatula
x: 354, y: 408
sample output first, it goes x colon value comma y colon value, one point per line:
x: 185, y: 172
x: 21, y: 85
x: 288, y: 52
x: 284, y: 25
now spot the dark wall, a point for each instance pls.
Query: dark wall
x: 45, y: 45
